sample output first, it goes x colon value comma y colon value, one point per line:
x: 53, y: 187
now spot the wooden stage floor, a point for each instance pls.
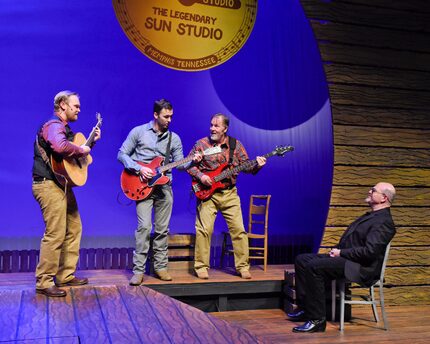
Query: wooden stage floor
x: 109, y: 311
x: 408, y: 324
x: 180, y: 275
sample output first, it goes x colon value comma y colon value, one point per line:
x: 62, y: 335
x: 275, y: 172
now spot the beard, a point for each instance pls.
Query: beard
x: 368, y: 200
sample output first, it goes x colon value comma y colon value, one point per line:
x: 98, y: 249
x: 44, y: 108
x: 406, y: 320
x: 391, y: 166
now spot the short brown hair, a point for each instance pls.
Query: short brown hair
x: 63, y: 96
x: 225, y: 119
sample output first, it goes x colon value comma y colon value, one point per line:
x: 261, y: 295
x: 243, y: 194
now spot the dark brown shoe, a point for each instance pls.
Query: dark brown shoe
x: 52, y: 292
x: 163, y: 275
x: 202, y: 273
x: 245, y: 274
x: 73, y: 282
x: 137, y: 279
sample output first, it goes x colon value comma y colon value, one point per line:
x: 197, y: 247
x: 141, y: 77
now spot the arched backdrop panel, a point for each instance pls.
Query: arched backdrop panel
x: 274, y: 90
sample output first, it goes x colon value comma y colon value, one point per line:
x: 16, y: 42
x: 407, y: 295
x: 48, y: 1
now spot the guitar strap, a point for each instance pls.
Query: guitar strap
x: 48, y: 163
x: 45, y: 157
x: 43, y: 153
x: 232, y: 147
x: 167, y: 158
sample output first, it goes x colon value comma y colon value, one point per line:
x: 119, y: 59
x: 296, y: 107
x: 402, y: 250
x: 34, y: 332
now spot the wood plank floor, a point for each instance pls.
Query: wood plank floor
x: 180, y: 276
x: 408, y: 324
x: 109, y: 311
x: 109, y: 314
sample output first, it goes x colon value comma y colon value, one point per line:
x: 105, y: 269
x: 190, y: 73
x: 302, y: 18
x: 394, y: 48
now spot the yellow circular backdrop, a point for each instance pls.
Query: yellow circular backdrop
x: 188, y: 35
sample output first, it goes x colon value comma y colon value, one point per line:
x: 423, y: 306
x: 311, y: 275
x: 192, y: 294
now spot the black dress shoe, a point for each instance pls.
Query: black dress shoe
x: 73, y: 282
x: 297, y: 316
x: 52, y: 292
x: 311, y: 326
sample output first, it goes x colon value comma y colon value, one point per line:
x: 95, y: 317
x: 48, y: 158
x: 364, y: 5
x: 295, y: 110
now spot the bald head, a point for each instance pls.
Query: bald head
x: 388, y: 190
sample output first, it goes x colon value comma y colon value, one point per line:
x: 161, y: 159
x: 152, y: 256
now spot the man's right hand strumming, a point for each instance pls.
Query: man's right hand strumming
x: 86, y: 149
x: 146, y: 172
x: 206, y: 180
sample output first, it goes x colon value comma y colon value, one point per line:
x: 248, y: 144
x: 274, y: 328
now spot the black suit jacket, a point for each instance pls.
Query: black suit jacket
x: 363, y: 245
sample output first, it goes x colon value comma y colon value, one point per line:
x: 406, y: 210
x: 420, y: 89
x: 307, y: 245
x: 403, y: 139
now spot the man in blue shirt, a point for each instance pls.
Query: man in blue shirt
x: 143, y: 144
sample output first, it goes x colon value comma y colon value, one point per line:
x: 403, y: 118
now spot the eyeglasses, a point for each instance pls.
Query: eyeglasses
x: 374, y: 190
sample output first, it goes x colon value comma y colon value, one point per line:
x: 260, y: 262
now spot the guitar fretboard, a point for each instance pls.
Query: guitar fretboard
x: 174, y: 164
x: 209, y: 151
x: 92, y: 135
x: 245, y: 166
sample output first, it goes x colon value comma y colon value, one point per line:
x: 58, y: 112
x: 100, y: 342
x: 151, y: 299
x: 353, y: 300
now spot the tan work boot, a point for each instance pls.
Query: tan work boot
x: 202, y: 273
x: 137, y: 279
x: 245, y: 274
x: 163, y: 275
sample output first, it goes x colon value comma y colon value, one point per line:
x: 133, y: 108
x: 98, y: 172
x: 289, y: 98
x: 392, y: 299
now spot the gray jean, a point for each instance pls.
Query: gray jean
x: 162, y: 201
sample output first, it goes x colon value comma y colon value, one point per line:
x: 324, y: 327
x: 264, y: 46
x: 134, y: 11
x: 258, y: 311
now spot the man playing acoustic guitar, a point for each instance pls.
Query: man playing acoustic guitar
x: 225, y: 200
x: 144, y: 144
x: 59, y: 248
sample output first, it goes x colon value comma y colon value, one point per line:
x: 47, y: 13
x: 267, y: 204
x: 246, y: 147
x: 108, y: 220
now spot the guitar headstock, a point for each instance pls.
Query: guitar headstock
x: 99, y: 119
x: 281, y: 150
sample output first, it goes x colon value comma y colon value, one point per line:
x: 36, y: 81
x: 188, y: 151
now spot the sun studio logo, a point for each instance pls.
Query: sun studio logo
x: 188, y: 35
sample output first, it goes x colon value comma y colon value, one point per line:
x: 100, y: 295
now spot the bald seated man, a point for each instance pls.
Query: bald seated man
x: 357, y: 257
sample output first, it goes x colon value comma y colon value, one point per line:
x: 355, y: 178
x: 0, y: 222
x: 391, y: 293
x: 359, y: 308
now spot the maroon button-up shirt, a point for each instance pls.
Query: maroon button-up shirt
x: 54, y: 133
x: 212, y: 162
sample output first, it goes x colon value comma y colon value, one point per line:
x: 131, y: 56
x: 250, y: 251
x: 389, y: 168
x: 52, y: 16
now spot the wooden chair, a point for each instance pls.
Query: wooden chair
x: 258, y: 221
x: 367, y: 299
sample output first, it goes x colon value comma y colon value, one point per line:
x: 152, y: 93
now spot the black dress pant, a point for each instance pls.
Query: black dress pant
x: 312, y: 272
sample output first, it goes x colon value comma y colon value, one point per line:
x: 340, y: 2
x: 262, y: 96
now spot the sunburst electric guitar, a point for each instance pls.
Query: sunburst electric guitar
x: 203, y: 192
x: 138, y: 188
x: 74, y: 171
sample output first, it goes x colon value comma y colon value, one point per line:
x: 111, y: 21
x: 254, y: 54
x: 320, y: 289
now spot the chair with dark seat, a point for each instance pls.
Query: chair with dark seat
x: 258, y: 221
x: 367, y: 299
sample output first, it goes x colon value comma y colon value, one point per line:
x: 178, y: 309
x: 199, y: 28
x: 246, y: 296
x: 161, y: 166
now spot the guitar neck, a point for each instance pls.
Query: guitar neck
x: 91, y: 137
x: 235, y: 170
x: 174, y: 164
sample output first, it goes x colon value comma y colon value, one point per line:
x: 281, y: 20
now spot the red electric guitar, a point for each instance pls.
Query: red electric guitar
x: 138, y: 188
x: 203, y: 192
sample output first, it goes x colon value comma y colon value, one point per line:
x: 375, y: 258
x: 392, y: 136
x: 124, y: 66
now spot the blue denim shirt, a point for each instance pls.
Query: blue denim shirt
x: 143, y: 144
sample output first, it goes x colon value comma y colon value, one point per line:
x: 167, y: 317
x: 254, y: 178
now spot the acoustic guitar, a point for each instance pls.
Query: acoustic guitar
x: 74, y: 171
x: 138, y: 188
x: 204, y: 192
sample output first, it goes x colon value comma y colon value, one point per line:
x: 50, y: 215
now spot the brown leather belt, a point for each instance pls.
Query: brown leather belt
x: 37, y: 179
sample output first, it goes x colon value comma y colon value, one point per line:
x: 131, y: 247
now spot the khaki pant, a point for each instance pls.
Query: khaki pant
x: 59, y: 247
x: 228, y: 203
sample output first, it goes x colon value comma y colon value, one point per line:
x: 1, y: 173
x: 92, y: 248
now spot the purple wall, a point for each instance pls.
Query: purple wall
x: 274, y: 89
